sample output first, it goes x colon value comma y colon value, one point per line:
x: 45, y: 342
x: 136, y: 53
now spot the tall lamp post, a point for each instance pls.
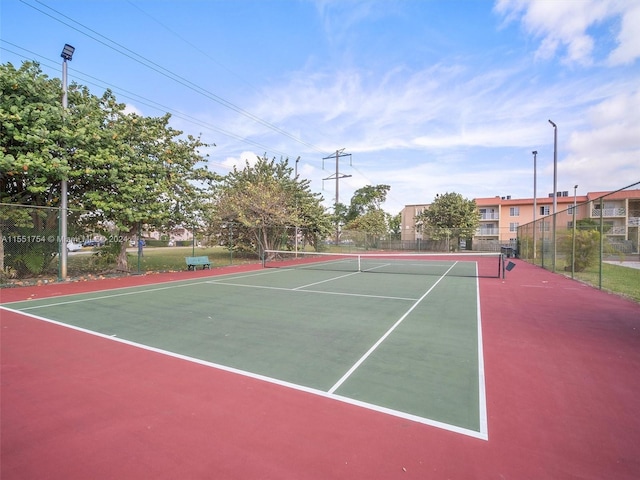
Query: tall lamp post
x: 555, y: 189
x: 296, y: 229
x: 67, y: 54
x: 573, y: 241
x: 535, y: 202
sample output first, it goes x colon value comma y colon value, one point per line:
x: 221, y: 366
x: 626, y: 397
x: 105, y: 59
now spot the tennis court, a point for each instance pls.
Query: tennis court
x: 405, y: 344
x: 321, y: 370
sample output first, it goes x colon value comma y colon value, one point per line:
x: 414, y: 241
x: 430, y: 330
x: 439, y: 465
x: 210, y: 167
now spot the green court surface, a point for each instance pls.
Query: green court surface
x: 405, y: 344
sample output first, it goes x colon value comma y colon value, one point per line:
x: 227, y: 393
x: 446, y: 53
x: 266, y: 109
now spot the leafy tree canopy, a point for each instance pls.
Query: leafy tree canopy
x: 395, y: 225
x: 366, y: 199
x: 374, y: 222
x: 267, y: 204
x: 125, y: 169
x: 449, y: 216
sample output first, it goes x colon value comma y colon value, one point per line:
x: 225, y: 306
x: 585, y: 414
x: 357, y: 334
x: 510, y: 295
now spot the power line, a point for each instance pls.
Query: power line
x: 167, y: 73
x: 206, y: 54
x: 192, y: 45
x: 148, y: 102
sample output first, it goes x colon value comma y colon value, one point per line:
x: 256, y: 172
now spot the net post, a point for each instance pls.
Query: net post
x: 501, y: 265
x: 359, y: 263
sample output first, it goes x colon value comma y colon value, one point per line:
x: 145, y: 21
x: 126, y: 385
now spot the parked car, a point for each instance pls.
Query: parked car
x: 93, y: 243
x: 73, y: 246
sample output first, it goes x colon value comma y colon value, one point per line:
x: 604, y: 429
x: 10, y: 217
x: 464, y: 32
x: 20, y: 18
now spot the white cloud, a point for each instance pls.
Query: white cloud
x: 240, y: 161
x: 128, y: 109
x: 564, y: 26
x: 469, y: 126
x: 608, y: 147
x: 628, y: 49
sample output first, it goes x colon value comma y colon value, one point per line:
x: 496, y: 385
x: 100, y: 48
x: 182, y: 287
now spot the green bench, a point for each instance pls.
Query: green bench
x: 194, y: 262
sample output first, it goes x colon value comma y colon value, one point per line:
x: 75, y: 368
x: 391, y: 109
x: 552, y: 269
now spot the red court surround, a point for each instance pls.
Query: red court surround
x: 562, y: 365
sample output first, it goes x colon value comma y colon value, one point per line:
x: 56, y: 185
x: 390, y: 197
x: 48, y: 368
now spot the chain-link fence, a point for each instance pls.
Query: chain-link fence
x: 31, y: 246
x: 430, y: 241
x: 30, y: 240
x: 596, y: 241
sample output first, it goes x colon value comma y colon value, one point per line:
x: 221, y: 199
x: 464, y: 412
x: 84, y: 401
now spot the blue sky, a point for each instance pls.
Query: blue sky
x: 428, y: 97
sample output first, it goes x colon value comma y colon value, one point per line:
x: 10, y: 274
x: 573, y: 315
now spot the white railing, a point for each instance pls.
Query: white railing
x: 489, y: 216
x: 617, y: 231
x: 487, y: 231
x: 609, y: 212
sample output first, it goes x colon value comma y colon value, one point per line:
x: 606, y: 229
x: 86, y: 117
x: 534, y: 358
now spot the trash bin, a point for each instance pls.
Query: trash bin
x: 507, y: 251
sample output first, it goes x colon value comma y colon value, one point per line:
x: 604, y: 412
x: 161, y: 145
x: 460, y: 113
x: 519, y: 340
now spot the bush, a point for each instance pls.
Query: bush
x: 587, y: 248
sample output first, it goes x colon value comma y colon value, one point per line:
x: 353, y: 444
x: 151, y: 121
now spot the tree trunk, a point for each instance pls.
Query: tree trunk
x: 122, y: 264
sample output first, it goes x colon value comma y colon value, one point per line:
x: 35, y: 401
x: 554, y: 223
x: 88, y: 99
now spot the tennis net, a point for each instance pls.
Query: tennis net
x: 470, y: 264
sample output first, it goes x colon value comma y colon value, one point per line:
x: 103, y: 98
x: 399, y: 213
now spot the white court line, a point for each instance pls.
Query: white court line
x: 388, y: 332
x: 282, y: 383
x: 327, y: 280
x: 113, y: 295
x: 381, y: 265
x: 81, y: 300
x: 482, y: 392
x: 322, y: 292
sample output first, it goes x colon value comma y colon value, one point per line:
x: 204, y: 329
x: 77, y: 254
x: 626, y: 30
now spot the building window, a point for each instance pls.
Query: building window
x: 514, y: 211
x: 544, y: 210
x: 570, y: 210
x: 513, y: 226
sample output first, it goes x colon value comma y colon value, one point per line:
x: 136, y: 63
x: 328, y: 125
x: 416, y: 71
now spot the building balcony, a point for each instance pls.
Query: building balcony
x: 617, y: 231
x: 489, y: 216
x: 608, y: 212
x: 487, y: 232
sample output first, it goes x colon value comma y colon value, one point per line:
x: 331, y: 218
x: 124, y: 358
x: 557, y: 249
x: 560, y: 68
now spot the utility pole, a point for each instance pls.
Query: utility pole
x: 337, y: 176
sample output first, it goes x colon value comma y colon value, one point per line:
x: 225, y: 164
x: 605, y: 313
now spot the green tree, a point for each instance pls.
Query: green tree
x: 366, y: 199
x: 39, y: 146
x: 125, y: 169
x: 450, y: 216
x: 339, y: 216
x: 147, y: 174
x: 265, y: 205
x: 365, y: 215
x: 372, y: 224
x: 395, y: 226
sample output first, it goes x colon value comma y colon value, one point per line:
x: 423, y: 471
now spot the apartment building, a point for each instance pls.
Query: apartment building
x: 500, y: 217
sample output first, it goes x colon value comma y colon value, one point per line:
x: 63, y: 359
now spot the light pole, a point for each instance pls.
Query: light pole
x: 67, y: 53
x: 296, y: 193
x: 555, y: 189
x: 535, y: 202
x: 573, y: 241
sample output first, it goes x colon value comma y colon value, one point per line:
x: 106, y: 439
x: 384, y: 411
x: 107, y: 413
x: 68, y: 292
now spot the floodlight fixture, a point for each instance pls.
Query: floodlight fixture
x: 67, y: 51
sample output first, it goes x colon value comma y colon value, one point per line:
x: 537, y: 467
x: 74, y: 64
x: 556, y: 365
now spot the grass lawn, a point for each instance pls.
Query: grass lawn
x: 615, y: 278
x: 172, y: 258
x: 159, y: 259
